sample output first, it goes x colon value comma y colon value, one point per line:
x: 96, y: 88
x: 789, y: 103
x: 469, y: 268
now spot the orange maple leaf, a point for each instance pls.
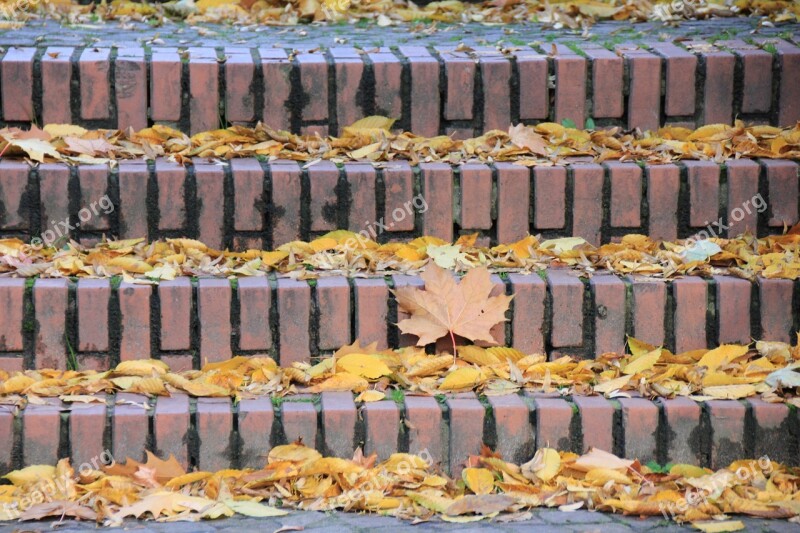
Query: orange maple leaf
x: 447, y: 307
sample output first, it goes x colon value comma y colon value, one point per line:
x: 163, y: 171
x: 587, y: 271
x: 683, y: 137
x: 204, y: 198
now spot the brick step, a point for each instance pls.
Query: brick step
x: 431, y: 88
x: 188, y: 323
x: 252, y: 204
x: 212, y: 434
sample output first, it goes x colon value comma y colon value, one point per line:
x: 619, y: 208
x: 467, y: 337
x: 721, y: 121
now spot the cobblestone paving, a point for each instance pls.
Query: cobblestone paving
x: 542, y: 521
x: 50, y: 33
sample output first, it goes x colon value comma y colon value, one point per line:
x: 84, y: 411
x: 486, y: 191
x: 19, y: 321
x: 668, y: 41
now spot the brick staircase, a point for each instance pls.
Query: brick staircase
x: 432, y: 88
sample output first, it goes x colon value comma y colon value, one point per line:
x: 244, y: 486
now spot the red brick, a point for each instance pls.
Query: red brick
x: 371, y: 301
x: 255, y: 299
x: 276, y: 68
x: 286, y: 179
x: 203, y: 90
x: 171, y: 179
x: 248, y: 186
x: 315, y: 130
x: 476, y: 191
x: 94, y: 185
x: 339, y: 421
x: 175, y: 298
x: 756, y: 67
x: 382, y: 425
x: 459, y: 134
x: 56, y: 81
x: 14, y: 209
x: 684, y: 434
x: 496, y: 79
x: 640, y: 423
x: 214, y: 427
x: 314, y: 80
x: 387, y: 70
x: 129, y: 427
x: 299, y: 422
x: 466, y: 430
x: 12, y: 292
x: 178, y: 363
x: 130, y: 81
x: 549, y: 197
x: 775, y: 297
x: 400, y: 204
x: 333, y: 300
x: 171, y: 427
x: 349, y: 69
x: 361, y: 181
x: 649, y: 298
x: 526, y: 325
x: 210, y: 214
x: 214, y: 312
x: 733, y: 309
x: 626, y: 194
x: 6, y: 441
x: 727, y: 432
x: 401, y: 280
x: 681, y: 69
x: 515, y: 435
x: 718, y: 88
x: 424, y: 101
x: 165, y: 76
x: 774, y: 439
x: 513, y: 202
x: 789, y: 90
x: 133, y: 176
x: 567, y: 308
x: 134, y: 310
x: 294, y: 310
x: 553, y: 420
x: 534, y: 95
x: 98, y: 363
x: 50, y: 305
x: 94, y: 66
x: 93, y: 297
x: 459, y: 71
x: 597, y: 422
x: 742, y: 187
x: 41, y: 429
x: 423, y: 422
x: 54, y: 198
x: 437, y: 187
x: 644, y: 90
x: 17, y: 67
x: 570, y: 100
x: 587, y: 212
x: 239, y: 74
x: 690, y: 313
x: 607, y: 93
x: 12, y: 364
x: 323, y: 178
x: 703, y: 181
x: 784, y: 191
x: 86, y: 424
x: 255, y: 427
x: 663, y: 185
x: 610, y: 314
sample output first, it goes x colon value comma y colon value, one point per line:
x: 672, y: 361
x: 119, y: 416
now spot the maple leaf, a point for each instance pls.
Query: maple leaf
x: 447, y: 307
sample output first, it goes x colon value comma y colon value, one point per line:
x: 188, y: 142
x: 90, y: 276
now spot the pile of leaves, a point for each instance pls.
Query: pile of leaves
x: 345, y: 253
x: 371, y: 139
x: 408, y: 487
x: 555, y: 13
x: 444, y: 309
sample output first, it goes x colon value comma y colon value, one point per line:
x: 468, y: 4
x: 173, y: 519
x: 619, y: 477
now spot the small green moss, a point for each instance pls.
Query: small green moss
x: 398, y: 395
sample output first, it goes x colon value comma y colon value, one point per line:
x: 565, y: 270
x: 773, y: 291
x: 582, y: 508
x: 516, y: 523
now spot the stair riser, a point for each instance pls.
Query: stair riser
x: 187, y: 323
x: 431, y: 90
x: 259, y: 205
x: 210, y: 434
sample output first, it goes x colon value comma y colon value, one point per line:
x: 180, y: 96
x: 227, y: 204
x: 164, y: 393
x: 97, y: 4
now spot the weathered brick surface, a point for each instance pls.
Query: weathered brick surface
x: 549, y: 197
x: 553, y: 421
x: 733, y: 309
x: 690, y: 295
x: 775, y: 297
x: 527, y: 328
x: 255, y: 420
x: 684, y: 432
x: 214, y: 426
x: 566, y: 291
x: 680, y: 75
x: 333, y: 300
x: 626, y: 194
x: 12, y: 292
x: 513, y: 428
x: 476, y: 189
x: 210, y: 212
x: 204, y: 112
x: 50, y: 307
x: 41, y: 427
x: 93, y: 296
x: 382, y: 427
x: 255, y: 298
x: 587, y: 212
x: 640, y: 420
x: 513, y: 201
x: 570, y: 94
x: 130, y: 80
x: 17, y: 98
x: 214, y: 311
x: 371, y: 296
x: 466, y: 416
x: 6, y: 441
x: 134, y: 310
x: 294, y: 310
x: 784, y: 190
x: 663, y: 186
x: 56, y: 80
x: 437, y: 187
x: 299, y: 422
x: 727, y: 431
x: 609, y: 314
x: 339, y: 421
x: 94, y: 68
x: 597, y: 418
x: 171, y: 427
x: 175, y: 298
x: 86, y: 425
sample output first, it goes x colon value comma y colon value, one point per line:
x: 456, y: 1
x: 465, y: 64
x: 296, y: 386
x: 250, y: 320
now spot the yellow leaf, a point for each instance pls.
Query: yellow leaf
x: 295, y: 453
x: 131, y: 264
x: 642, y: 362
x: 545, y: 464
x: 64, y: 130
x: 463, y: 378
x: 638, y: 347
x: 478, y: 480
x: 31, y: 474
x: 612, y: 385
x: 719, y: 527
x: 601, y: 476
x: 186, y: 479
x: 254, y: 509
x: 370, y: 396
x: 364, y: 365
x: 729, y: 392
x: 372, y: 122
x: 723, y: 355
x: 141, y: 367
x: 562, y: 244
x: 341, y: 381
x: 685, y: 470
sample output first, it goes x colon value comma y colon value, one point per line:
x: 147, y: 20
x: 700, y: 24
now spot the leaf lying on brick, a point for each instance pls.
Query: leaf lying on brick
x: 726, y: 372
x: 409, y: 487
x: 544, y: 144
